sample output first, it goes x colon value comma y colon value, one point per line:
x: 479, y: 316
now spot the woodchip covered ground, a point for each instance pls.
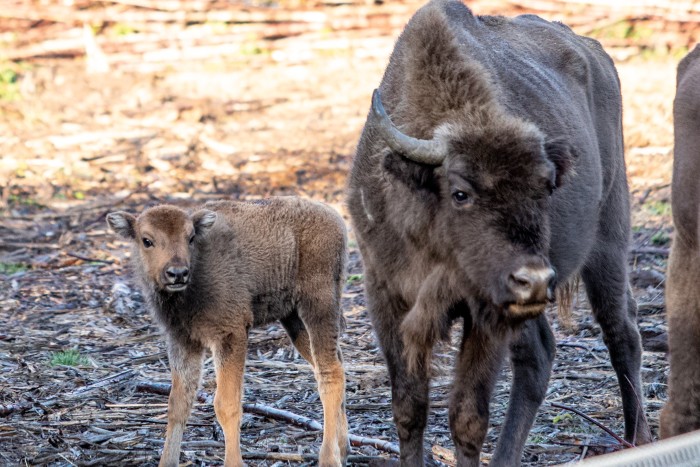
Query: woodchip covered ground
x: 226, y: 107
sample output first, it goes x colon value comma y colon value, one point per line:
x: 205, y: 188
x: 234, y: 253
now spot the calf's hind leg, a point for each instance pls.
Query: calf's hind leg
x: 299, y: 335
x: 322, y: 326
x: 229, y: 364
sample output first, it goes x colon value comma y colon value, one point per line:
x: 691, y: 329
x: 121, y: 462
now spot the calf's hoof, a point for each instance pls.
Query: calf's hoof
x: 330, y: 456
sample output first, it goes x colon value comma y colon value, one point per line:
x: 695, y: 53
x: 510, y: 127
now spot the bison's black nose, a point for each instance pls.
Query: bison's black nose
x: 532, y: 284
x: 177, y: 274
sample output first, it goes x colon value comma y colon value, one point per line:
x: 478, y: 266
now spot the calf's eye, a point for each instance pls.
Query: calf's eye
x: 460, y: 197
x: 191, y: 239
x: 147, y: 243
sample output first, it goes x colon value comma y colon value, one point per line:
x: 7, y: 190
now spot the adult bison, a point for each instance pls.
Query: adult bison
x: 495, y: 173
x: 682, y: 413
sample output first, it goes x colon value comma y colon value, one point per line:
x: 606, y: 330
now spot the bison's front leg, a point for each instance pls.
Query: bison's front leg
x: 532, y: 353
x: 477, y: 369
x: 409, y: 391
x: 186, y: 367
x: 428, y: 321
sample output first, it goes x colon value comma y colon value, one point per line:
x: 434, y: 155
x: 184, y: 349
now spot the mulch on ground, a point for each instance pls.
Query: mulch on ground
x: 78, y: 145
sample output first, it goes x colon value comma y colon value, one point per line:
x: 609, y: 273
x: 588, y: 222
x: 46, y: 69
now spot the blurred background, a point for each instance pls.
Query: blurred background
x: 118, y: 104
x: 209, y: 97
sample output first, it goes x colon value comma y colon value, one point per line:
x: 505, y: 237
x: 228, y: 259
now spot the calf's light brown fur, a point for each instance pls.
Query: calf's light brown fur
x: 682, y: 412
x: 211, y: 275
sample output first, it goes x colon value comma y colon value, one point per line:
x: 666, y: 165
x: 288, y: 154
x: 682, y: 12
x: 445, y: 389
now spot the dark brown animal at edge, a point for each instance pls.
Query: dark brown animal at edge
x: 495, y: 173
x: 682, y: 411
x: 211, y: 275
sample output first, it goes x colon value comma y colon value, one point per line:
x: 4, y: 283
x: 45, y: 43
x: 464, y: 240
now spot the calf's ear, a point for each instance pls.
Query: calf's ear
x: 203, y: 220
x: 562, y: 156
x: 122, y: 223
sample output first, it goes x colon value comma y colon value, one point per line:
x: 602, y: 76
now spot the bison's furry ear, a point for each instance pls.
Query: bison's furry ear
x: 415, y: 175
x: 122, y: 223
x: 560, y: 153
x: 203, y: 220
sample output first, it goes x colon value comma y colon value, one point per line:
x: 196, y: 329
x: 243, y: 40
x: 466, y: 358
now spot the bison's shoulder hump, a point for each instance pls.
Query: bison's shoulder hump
x: 690, y: 61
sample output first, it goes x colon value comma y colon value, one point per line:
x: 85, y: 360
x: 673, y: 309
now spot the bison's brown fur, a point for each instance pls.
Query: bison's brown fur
x: 682, y: 412
x: 211, y: 275
x: 450, y: 195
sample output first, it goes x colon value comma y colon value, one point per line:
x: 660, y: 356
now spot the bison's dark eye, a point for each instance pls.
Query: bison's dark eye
x: 147, y: 243
x: 460, y: 197
x: 191, y: 239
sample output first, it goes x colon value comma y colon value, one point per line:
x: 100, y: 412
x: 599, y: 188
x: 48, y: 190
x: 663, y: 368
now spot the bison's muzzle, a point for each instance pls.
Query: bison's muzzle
x: 531, y: 288
x: 176, y: 278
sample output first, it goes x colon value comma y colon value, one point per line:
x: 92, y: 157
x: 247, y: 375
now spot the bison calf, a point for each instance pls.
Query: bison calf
x: 211, y: 275
x: 682, y: 413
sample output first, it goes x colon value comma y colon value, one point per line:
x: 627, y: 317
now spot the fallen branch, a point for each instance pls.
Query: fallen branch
x: 86, y: 258
x: 23, y: 406
x: 278, y: 414
x: 622, y: 441
x: 294, y: 457
x: 376, y: 443
x: 310, y: 424
x: 7, y: 409
x: 650, y: 250
x: 269, y: 456
x: 32, y: 246
x: 164, y: 389
x: 283, y: 415
x: 108, y: 381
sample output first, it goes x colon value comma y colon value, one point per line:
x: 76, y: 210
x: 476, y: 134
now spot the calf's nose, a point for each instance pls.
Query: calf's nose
x: 532, y: 284
x: 177, y: 274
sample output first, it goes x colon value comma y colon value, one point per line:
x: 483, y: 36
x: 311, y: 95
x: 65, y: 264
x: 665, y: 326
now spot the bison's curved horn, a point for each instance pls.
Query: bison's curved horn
x: 425, y: 151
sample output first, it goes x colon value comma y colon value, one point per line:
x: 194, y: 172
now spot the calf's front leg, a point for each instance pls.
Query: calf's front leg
x: 229, y: 365
x: 186, y: 367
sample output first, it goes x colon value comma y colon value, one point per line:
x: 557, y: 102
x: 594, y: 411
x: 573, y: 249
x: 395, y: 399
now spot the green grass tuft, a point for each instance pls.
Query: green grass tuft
x: 9, y: 87
x: 11, y: 268
x: 659, y: 208
x: 68, y: 358
x: 562, y: 417
x: 352, y: 278
x: 660, y: 238
x: 121, y: 29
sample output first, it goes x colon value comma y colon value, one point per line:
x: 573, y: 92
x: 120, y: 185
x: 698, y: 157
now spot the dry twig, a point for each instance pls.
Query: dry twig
x: 650, y: 250
x: 7, y: 409
x: 622, y: 441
